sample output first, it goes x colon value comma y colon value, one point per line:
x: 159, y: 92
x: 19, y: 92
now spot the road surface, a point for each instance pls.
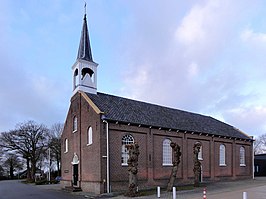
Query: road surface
x: 13, y: 189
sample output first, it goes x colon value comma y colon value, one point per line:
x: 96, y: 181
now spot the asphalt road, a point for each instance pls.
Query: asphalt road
x: 256, y: 189
x: 13, y: 189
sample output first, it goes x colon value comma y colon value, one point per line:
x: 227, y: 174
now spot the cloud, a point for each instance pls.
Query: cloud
x: 28, y: 96
x: 252, y: 119
x: 193, y: 61
x: 249, y: 35
x: 193, y: 55
x: 178, y: 56
x: 28, y: 90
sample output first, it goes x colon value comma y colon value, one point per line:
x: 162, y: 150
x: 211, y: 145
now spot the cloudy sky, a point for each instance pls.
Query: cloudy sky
x: 203, y: 56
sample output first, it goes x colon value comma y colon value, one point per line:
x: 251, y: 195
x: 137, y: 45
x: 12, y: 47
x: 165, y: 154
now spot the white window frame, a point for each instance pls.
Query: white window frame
x: 66, y: 145
x: 200, y: 154
x: 89, y: 136
x: 222, y: 157
x: 167, y: 153
x: 75, y: 124
x: 242, y: 156
x: 126, y: 139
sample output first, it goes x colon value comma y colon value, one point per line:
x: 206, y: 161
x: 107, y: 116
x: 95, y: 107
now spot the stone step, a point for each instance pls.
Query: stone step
x: 72, y: 189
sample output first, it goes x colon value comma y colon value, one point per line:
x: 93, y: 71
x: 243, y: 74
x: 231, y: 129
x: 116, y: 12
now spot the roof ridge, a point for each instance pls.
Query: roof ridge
x: 154, y: 104
x: 123, y: 109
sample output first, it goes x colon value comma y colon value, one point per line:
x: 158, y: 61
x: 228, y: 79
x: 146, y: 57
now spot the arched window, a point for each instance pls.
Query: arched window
x: 126, y: 139
x: 66, y: 145
x: 75, y: 79
x: 242, y: 156
x: 167, y: 153
x: 75, y: 124
x: 222, y: 155
x: 89, y: 72
x: 89, y: 141
x: 200, y: 156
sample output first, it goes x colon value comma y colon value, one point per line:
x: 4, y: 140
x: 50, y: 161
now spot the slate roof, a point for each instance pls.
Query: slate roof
x: 84, y: 51
x: 136, y: 112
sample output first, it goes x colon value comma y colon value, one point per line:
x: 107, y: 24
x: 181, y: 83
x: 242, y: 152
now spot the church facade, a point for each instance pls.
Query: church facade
x: 98, y: 126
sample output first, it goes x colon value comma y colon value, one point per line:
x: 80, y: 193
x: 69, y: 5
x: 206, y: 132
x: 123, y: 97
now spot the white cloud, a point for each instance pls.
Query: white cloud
x: 252, y: 119
x: 186, y: 54
x: 193, y: 70
x: 193, y: 61
x: 193, y: 28
x: 249, y: 35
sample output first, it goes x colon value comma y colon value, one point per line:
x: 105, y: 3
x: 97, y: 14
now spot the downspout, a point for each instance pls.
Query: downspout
x: 80, y: 143
x: 253, y: 159
x: 107, y: 158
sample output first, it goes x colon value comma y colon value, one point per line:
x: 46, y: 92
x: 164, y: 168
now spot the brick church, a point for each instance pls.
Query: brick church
x: 99, y: 125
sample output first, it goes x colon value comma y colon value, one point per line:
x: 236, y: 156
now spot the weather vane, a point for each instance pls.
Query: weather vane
x: 85, y: 5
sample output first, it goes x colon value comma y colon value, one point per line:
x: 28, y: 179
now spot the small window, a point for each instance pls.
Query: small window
x: 75, y: 124
x: 66, y: 145
x: 242, y: 156
x: 257, y: 169
x: 222, y: 155
x: 200, y: 157
x: 126, y: 139
x: 167, y: 153
x: 89, y: 136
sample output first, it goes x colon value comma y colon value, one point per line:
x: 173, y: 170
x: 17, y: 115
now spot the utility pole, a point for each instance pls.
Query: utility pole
x: 49, y: 167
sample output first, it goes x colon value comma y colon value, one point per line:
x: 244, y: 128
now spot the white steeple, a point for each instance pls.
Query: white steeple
x: 84, y: 70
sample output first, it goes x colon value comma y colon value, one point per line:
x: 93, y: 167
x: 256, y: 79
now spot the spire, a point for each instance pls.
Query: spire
x: 84, y: 51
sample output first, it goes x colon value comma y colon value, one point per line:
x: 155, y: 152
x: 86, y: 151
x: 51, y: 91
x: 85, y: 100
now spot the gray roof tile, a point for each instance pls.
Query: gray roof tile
x: 136, y: 112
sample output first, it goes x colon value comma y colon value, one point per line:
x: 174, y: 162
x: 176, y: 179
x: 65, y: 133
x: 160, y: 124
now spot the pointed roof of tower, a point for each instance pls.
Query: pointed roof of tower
x: 84, y: 51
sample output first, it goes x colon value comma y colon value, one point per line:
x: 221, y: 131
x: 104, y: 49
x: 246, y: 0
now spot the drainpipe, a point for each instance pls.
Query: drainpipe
x: 107, y: 158
x: 253, y: 159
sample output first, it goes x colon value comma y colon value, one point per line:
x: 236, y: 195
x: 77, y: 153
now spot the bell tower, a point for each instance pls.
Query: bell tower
x: 84, y: 70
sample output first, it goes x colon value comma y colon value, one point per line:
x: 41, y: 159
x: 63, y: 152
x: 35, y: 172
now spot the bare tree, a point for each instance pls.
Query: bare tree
x: 30, y: 140
x: 55, y: 144
x: 177, y: 155
x: 12, y: 163
x: 260, y: 144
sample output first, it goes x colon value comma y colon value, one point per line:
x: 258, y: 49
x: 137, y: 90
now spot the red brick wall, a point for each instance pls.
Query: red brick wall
x: 92, y: 165
x: 116, y: 132
x: 90, y: 156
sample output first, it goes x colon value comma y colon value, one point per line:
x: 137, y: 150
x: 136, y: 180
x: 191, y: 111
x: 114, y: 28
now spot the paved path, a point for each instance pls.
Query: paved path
x: 256, y: 189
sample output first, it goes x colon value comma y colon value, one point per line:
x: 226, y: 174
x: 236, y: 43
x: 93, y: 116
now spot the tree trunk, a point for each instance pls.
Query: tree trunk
x: 33, y: 169
x: 58, y: 166
x: 133, y: 150
x: 172, y: 179
x: 177, y: 154
x: 197, y: 164
x: 28, y: 168
x: 11, y: 170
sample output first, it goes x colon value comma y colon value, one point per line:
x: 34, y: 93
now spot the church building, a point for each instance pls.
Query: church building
x: 99, y: 125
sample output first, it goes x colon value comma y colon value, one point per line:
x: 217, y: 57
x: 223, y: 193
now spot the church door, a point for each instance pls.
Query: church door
x: 75, y: 174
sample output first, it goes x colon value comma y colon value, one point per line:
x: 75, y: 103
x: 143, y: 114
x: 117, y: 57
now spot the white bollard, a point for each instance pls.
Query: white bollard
x: 174, y: 193
x: 204, y: 193
x: 158, y: 192
x: 245, y: 195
